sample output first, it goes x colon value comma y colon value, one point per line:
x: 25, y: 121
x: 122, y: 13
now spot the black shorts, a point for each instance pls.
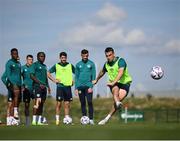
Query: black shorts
x: 10, y: 96
x: 64, y: 93
x: 28, y: 95
x: 125, y: 87
x: 41, y: 93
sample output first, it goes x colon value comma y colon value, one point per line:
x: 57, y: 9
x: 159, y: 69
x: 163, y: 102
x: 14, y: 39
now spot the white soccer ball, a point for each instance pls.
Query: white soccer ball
x: 84, y: 120
x: 157, y: 72
x: 14, y: 121
x: 67, y: 120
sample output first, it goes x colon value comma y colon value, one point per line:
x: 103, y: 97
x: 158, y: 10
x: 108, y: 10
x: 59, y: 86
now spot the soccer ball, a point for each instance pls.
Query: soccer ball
x: 15, y: 121
x: 84, y: 120
x: 157, y: 72
x: 67, y: 120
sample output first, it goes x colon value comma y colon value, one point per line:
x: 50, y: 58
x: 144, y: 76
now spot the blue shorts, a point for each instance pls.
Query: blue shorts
x: 41, y: 93
x: 28, y: 95
x: 125, y: 87
x: 64, y: 93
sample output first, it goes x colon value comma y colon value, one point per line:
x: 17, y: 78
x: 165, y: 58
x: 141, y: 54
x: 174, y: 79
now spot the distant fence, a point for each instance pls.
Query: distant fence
x: 159, y: 115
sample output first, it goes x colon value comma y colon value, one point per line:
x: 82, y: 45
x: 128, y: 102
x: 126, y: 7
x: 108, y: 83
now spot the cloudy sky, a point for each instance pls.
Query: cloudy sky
x: 144, y: 32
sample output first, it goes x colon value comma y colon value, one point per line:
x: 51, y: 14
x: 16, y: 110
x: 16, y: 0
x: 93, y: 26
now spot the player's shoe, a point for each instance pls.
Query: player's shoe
x: 102, y: 122
x: 119, y: 105
x: 34, y: 123
x: 91, y: 122
x: 57, y: 122
x: 40, y: 123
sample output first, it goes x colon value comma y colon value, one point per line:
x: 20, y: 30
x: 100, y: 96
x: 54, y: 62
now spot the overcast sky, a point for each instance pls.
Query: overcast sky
x: 144, y: 32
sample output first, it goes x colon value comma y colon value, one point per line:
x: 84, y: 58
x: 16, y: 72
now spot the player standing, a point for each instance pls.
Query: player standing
x: 85, y: 74
x: 119, y: 80
x: 64, y: 80
x: 27, y: 86
x: 38, y: 74
x: 12, y: 79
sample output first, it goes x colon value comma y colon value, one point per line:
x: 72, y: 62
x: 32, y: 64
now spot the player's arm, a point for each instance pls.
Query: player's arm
x: 8, y: 72
x: 93, y: 72
x: 48, y: 86
x: 33, y: 77
x: 51, y: 77
x: 5, y: 80
x: 52, y: 70
x: 22, y: 80
x: 76, y: 76
x: 101, y: 74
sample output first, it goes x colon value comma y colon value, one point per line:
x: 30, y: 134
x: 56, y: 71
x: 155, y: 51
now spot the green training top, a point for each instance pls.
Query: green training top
x: 5, y: 80
x: 39, y: 70
x: 53, y: 69
x: 85, y: 73
x: 13, y: 72
x: 27, y: 81
x: 113, y: 67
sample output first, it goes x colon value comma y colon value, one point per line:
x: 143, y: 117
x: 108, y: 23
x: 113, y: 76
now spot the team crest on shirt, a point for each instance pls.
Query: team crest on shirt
x: 13, y: 65
x: 89, y: 66
x: 25, y: 70
x: 80, y: 66
x: 40, y: 67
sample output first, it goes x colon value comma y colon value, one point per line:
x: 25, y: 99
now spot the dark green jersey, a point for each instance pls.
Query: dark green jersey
x: 27, y: 81
x: 39, y: 70
x: 5, y: 80
x: 13, y: 72
x: 53, y: 70
x: 85, y: 73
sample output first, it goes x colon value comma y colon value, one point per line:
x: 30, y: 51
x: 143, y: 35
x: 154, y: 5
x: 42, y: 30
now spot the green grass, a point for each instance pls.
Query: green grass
x: 115, y: 129
x: 110, y: 131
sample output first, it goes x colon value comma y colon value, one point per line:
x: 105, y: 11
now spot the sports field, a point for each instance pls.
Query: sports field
x: 151, y: 128
x: 110, y: 131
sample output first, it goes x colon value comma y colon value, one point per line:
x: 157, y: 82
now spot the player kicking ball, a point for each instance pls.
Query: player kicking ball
x: 119, y: 80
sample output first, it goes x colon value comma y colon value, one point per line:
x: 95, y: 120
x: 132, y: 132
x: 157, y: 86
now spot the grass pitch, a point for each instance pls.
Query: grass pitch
x: 111, y: 131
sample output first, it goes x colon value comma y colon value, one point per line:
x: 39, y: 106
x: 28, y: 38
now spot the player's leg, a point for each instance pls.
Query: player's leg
x: 123, y: 91
x: 67, y: 100
x: 26, y: 100
x: 116, y: 103
x: 37, y: 101
x: 10, y: 108
x: 58, y: 108
x: 89, y: 97
x: 59, y: 98
x: 66, y: 108
x: 41, y: 105
x: 82, y: 101
x: 40, y: 111
x: 16, y: 93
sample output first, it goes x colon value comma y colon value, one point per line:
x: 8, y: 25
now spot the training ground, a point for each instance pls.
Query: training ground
x: 161, y: 122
